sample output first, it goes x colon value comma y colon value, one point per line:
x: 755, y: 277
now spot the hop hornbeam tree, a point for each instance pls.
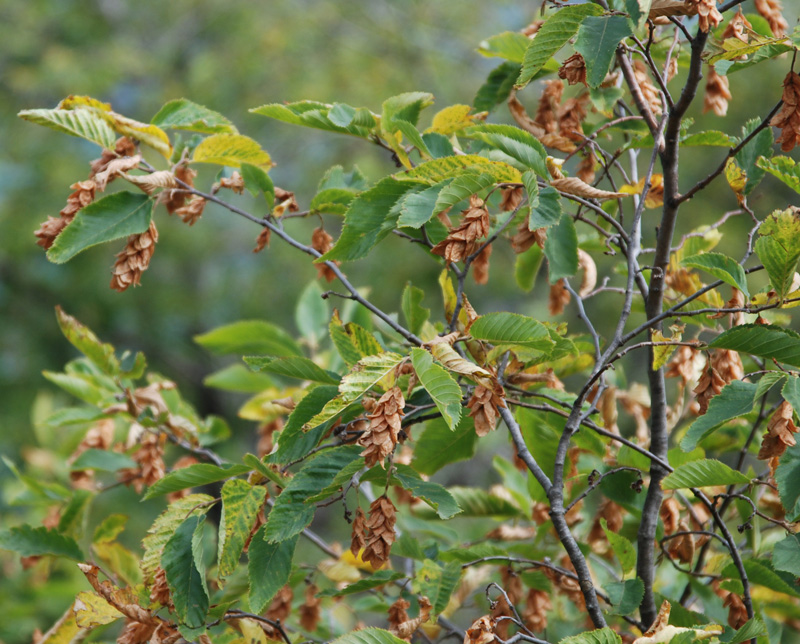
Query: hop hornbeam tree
x: 648, y: 473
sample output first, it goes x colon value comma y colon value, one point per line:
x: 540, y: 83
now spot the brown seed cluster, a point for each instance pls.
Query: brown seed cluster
x: 150, y: 459
x: 709, y: 16
x: 537, y: 603
x: 322, y: 242
x: 771, y: 11
x: 462, y: 241
x: 310, y: 609
x: 384, y: 428
x: 381, y: 532
x: 99, y: 436
x: 649, y: 91
x: 780, y: 433
x: 710, y: 384
x: 717, y: 94
x: 558, y: 299
x: 483, y: 406
x: 788, y: 119
x: 525, y: 238
x: 573, y: 70
x: 739, y: 27
x: 134, y: 259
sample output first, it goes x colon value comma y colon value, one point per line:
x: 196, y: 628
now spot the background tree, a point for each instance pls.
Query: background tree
x: 570, y: 184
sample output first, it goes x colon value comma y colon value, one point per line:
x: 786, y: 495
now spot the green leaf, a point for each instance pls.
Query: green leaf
x: 415, y: 314
x: 237, y: 377
x: 404, y: 107
x: 268, y: 568
x: 598, y: 37
x: 520, y: 145
x: 437, y: 582
x: 638, y: 11
x: 231, y: 150
x: 292, y: 367
x: 182, y: 114
x: 784, y: 168
x: 475, y: 502
x: 241, y: 503
x: 787, y: 475
x: 112, y: 217
x: 100, y: 459
x: 752, y: 628
x: 433, y: 494
x: 438, y: 445
x: 512, y: 329
x: 761, y: 573
x: 193, y: 476
x: 30, y: 542
x: 552, y: 36
x: 341, y: 479
x: 293, y: 442
x: 255, y: 463
x: 766, y: 341
x: 417, y: 206
x: 733, y: 48
x: 444, y: 391
x: 164, y: 526
x: 510, y: 45
x: 249, y: 336
x: 461, y: 188
x: 546, y: 211
x: 81, y: 123
x: 561, y: 247
x: 256, y: 180
x: 372, y: 215
x: 375, y: 580
x: 625, y: 595
x: 291, y: 514
x: 438, y: 170
x: 312, y: 314
x: 497, y: 87
x: 722, y: 267
x: 760, y: 145
x: 182, y: 561
x: 703, y: 473
x: 778, y: 248
x: 791, y: 391
x: 317, y: 115
x: 786, y: 555
x: 368, y: 636
x: 526, y: 267
x: 82, y: 338
x: 352, y: 341
x: 621, y: 547
x: 736, y: 399
x: 110, y: 528
x: 335, y: 201
x: 709, y: 138
x: 599, y: 636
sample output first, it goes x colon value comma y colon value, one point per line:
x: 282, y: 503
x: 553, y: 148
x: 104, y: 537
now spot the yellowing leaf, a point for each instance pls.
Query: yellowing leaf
x: 450, y: 358
x: 357, y: 562
x: 266, y: 405
x: 655, y: 195
x: 64, y: 631
x: 339, y: 570
x: 663, y: 352
x: 252, y: 631
x: 453, y: 119
x: 92, y: 610
x: 150, y: 135
x: 736, y: 177
x: 662, y: 632
x: 231, y: 150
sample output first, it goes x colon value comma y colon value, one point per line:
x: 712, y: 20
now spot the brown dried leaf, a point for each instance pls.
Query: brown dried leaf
x: 586, y: 263
x: 521, y: 117
x: 405, y: 629
x: 234, y: 183
x: 262, y: 241
x: 665, y: 8
x: 574, y: 186
x: 115, y: 168
x: 558, y: 299
x: 149, y: 183
x: 585, y: 170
